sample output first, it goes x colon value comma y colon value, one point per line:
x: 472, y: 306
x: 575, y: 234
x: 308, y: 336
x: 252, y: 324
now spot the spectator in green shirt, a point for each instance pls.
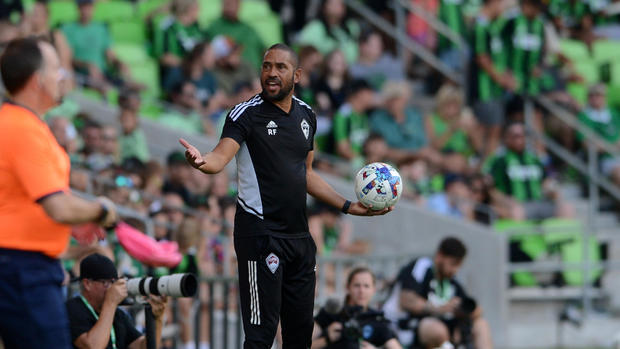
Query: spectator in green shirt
x: 519, y: 174
x: 230, y: 25
x: 350, y: 124
x: 332, y: 30
x: 451, y: 14
x: 90, y: 43
x: 186, y: 113
x: 605, y: 122
x: 179, y: 34
x: 132, y: 142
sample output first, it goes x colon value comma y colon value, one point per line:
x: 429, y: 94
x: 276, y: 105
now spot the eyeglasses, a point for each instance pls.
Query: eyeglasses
x: 106, y: 282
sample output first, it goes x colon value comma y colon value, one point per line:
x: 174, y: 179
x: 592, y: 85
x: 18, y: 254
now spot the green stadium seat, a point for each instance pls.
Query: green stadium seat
x: 579, y: 92
x: 209, y: 11
x: 532, y: 245
x: 567, y: 236
x: 615, y: 74
x: 131, y: 32
x: 113, y: 11
x: 253, y: 9
x: 575, y: 50
x: 145, y: 7
x: 589, y: 70
x: 147, y: 73
x: 130, y: 53
x: 269, y: 28
x: 606, y: 51
x: 613, y: 96
x: 151, y: 108
x: 61, y: 12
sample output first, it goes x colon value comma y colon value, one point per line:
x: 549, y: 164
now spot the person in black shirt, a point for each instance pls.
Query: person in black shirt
x: 426, y: 291
x: 272, y: 136
x: 356, y: 325
x: 94, y: 319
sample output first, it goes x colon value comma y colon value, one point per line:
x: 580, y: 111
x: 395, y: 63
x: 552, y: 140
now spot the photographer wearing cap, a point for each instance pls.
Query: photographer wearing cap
x: 93, y: 316
x: 430, y: 307
x: 355, y: 325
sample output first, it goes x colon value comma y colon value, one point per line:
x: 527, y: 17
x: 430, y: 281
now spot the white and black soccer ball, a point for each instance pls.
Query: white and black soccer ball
x: 378, y: 185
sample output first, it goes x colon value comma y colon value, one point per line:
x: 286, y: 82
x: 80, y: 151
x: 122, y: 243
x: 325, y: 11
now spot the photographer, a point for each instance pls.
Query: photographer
x: 429, y: 307
x: 355, y: 325
x: 93, y: 316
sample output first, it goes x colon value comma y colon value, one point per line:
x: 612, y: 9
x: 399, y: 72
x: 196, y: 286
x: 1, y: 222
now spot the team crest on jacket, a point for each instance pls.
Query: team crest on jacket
x: 272, y: 262
x: 305, y: 128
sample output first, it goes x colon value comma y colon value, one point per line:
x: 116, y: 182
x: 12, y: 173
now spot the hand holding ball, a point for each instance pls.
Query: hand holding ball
x: 378, y: 186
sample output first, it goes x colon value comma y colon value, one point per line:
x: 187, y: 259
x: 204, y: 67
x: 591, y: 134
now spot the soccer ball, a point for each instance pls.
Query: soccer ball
x: 379, y: 185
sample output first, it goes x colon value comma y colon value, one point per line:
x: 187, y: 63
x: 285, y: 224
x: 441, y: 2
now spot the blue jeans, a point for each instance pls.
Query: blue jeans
x: 32, y: 308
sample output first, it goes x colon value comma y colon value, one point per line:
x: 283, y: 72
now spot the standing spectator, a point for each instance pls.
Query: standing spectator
x: 331, y: 87
x: 374, y: 64
x: 229, y: 24
x: 490, y: 75
x: 605, y: 121
x: 332, y: 30
x: 451, y: 14
x: 38, y: 25
x: 520, y: 174
x: 36, y: 204
x: 132, y: 142
x: 90, y: 43
x: 524, y: 37
x: 179, y: 34
x: 350, y: 125
x: 231, y: 71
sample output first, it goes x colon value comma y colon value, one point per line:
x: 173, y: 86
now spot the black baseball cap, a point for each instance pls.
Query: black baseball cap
x: 97, y: 267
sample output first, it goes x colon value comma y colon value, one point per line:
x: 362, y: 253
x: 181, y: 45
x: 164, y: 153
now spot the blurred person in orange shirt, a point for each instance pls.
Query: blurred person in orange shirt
x: 36, y: 205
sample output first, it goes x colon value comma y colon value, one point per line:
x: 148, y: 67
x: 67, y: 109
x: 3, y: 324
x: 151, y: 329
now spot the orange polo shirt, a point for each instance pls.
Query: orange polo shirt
x: 32, y: 166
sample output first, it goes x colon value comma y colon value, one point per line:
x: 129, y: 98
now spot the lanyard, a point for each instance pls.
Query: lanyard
x: 112, y: 332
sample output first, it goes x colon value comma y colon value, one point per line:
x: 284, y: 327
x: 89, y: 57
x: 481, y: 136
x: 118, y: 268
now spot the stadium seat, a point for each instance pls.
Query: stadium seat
x: 131, y: 32
x: 130, y: 53
x: 615, y: 74
x: 147, y: 73
x: 575, y: 50
x: 606, y: 51
x: 252, y: 10
x: 151, y: 108
x: 613, y: 96
x: 589, y: 70
x: 113, y: 11
x: 145, y: 7
x: 61, y: 12
x: 566, y: 236
x: 269, y: 28
x: 532, y: 245
x: 579, y: 92
x: 209, y: 11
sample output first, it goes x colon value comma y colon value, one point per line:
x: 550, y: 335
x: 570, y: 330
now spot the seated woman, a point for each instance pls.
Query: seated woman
x: 356, y: 325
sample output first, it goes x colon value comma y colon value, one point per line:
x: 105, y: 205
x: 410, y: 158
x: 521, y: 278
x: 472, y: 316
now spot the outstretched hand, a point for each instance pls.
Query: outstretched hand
x: 192, y: 154
x: 357, y: 209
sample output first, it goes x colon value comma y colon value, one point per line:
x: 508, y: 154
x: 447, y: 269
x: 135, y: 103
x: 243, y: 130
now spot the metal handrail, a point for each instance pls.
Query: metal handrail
x: 432, y: 21
x: 406, y: 42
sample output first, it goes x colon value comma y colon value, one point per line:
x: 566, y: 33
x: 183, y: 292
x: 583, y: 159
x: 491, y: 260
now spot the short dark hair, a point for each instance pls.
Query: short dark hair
x: 452, y: 247
x: 125, y: 97
x: 285, y: 47
x: 510, y: 125
x: 20, y: 60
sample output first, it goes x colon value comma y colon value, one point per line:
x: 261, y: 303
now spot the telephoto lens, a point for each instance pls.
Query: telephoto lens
x: 175, y: 285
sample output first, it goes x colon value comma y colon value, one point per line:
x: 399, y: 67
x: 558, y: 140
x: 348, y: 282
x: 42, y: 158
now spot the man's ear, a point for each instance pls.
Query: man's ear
x: 297, y: 75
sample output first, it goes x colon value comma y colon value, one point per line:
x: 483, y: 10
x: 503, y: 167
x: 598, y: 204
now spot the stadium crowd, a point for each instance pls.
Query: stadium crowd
x: 465, y: 157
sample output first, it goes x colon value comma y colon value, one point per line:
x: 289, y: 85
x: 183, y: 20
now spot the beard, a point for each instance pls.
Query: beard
x: 285, y: 90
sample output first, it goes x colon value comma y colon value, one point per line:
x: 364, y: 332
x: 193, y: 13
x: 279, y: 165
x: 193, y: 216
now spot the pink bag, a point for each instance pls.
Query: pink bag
x: 146, y: 249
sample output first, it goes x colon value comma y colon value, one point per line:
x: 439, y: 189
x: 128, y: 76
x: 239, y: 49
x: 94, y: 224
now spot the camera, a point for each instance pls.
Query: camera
x: 355, y: 321
x: 175, y: 285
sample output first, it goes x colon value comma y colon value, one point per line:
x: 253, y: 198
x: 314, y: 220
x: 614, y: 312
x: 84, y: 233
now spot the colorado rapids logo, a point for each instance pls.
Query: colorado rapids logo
x: 305, y: 128
x: 272, y: 262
